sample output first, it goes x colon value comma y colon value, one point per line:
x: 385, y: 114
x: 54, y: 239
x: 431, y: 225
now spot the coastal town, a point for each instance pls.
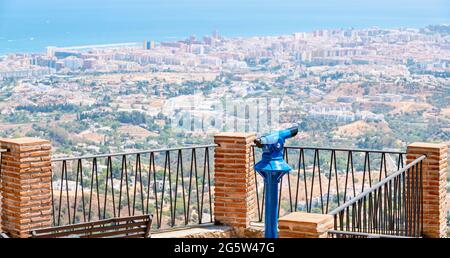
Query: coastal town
x: 373, y: 87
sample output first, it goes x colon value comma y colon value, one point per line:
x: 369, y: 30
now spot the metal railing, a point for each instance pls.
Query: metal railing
x: 325, y: 178
x: 393, y: 206
x: 173, y: 184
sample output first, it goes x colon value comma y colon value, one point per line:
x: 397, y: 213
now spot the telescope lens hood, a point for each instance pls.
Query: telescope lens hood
x: 294, y: 130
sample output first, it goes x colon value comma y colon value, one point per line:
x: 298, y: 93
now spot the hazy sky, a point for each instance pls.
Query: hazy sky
x: 234, y: 8
x: 34, y: 24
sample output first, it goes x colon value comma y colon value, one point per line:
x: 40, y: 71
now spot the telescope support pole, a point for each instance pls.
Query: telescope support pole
x: 271, y: 215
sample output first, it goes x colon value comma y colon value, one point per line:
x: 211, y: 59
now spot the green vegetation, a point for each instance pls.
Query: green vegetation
x: 69, y: 108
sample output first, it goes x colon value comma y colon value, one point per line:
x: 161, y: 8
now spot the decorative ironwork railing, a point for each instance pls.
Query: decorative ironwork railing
x: 325, y: 178
x: 393, y: 206
x: 173, y: 184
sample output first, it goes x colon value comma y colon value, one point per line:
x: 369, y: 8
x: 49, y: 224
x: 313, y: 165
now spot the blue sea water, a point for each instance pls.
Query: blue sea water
x: 31, y: 25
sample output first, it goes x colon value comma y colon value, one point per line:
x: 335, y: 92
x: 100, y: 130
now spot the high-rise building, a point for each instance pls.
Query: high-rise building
x: 149, y: 45
x: 51, y: 51
x: 207, y: 40
x: 216, y: 34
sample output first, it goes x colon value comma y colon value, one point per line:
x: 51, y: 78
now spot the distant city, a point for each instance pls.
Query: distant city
x: 368, y: 87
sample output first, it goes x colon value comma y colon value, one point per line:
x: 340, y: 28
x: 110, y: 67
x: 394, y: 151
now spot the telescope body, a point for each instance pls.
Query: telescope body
x: 272, y: 167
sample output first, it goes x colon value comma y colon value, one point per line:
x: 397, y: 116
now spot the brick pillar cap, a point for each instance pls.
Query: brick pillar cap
x: 234, y: 134
x: 24, y: 141
x: 426, y: 145
x: 303, y: 217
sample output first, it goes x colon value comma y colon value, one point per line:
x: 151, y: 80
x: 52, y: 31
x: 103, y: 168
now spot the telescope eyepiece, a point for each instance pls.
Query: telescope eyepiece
x: 258, y: 143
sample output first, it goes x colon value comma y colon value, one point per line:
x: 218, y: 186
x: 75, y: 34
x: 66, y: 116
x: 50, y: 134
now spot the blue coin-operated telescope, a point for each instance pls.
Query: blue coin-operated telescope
x: 272, y: 168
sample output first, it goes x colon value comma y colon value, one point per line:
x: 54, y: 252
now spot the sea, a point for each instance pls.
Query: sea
x: 28, y: 26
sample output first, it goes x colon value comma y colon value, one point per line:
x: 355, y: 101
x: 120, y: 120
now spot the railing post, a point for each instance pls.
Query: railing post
x: 434, y: 176
x: 26, y: 185
x: 234, y: 180
x: 305, y: 225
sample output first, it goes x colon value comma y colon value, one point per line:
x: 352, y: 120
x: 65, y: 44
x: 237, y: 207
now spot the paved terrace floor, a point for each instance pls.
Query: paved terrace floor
x: 210, y: 231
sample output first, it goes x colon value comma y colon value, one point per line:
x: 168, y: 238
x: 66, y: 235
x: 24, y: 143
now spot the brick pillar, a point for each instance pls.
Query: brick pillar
x: 434, y: 186
x: 305, y: 225
x: 26, y: 185
x: 234, y: 180
x: 2, y: 150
